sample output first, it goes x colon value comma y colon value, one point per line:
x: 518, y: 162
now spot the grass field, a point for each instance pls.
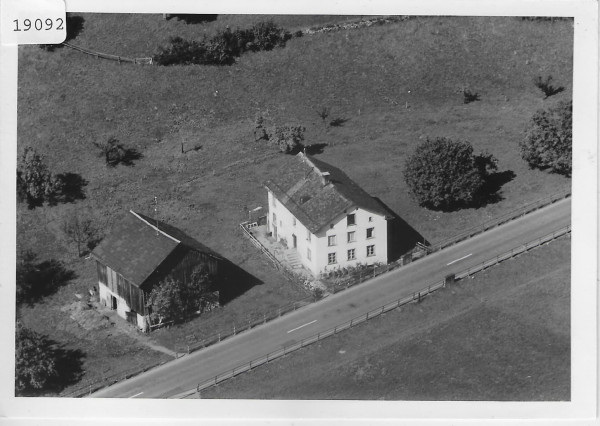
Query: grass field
x: 67, y: 100
x: 504, y: 335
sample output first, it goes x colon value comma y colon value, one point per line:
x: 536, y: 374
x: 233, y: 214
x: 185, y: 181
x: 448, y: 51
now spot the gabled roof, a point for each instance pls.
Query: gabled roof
x: 135, y: 247
x: 316, y: 193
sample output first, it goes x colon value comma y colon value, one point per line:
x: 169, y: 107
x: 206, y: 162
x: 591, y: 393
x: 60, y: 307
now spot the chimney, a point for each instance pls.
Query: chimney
x: 325, y: 178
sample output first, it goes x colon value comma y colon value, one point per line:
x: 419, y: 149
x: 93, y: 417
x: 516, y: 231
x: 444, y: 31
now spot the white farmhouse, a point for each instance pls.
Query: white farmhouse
x: 319, y: 211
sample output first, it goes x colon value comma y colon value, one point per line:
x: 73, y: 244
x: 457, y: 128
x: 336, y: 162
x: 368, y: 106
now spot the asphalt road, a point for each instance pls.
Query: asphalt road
x: 185, y: 373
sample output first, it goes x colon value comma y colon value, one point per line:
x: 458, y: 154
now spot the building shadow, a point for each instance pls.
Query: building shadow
x: 402, y: 237
x: 234, y: 281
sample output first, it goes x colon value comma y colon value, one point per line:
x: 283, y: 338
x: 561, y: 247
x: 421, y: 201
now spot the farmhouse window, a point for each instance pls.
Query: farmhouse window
x: 294, y: 221
x: 308, y: 254
x: 351, y: 219
x: 307, y: 235
x: 351, y: 236
x: 331, y: 258
x: 370, y: 218
x: 331, y: 240
x: 351, y: 254
x: 274, y: 219
x: 370, y: 250
x: 370, y: 232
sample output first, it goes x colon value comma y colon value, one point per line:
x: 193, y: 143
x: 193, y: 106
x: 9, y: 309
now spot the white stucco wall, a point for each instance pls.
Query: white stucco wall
x: 286, y: 229
x: 318, y: 244
x: 122, y: 307
x: 363, y: 221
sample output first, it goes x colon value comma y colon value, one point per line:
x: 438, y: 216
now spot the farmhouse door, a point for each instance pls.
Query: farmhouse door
x: 275, y: 232
x: 113, y: 302
x: 295, y: 241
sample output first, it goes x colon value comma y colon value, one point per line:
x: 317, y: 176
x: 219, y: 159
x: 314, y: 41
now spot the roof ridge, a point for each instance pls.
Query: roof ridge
x: 154, y: 227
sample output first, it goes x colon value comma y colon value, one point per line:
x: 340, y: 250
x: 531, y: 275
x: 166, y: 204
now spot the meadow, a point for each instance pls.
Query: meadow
x: 389, y: 87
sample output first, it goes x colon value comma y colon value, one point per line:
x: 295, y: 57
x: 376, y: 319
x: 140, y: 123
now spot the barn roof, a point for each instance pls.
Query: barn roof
x: 316, y: 193
x: 135, y: 248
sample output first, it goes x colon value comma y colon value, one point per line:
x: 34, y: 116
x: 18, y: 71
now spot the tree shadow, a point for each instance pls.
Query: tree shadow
x: 545, y: 86
x: 69, y: 367
x: 315, y: 148
x: 74, y: 26
x: 402, y: 237
x: 130, y: 156
x: 193, y: 18
x: 469, y: 96
x: 234, y: 281
x: 38, y: 280
x: 70, y: 187
x: 490, y: 191
x: 338, y: 122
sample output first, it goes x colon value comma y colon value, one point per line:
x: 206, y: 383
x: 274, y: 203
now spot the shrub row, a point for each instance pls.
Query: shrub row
x: 223, y: 48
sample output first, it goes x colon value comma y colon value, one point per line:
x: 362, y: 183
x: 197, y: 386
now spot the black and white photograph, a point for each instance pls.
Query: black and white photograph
x: 321, y: 209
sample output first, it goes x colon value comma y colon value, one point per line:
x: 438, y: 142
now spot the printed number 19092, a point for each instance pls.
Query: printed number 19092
x: 38, y: 24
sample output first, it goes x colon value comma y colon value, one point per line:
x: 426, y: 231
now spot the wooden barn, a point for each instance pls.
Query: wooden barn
x: 138, y: 254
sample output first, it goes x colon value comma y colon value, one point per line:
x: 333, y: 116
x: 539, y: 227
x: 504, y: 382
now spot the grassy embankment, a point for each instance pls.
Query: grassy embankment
x: 67, y: 100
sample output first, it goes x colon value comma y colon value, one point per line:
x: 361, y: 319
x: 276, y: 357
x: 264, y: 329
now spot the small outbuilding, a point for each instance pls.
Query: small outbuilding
x: 139, y: 253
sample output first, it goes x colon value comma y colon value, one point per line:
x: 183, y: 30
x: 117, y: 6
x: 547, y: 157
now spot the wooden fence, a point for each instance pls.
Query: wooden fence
x: 119, y: 59
x: 414, y: 297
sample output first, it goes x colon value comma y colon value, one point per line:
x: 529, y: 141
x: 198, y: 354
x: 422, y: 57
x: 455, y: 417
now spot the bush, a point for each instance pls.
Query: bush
x: 35, y: 183
x: 115, y: 153
x: 548, y: 140
x: 288, y: 138
x: 223, y: 48
x: 443, y: 174
x: 173, y: 300
x: 181, y: 52
x: 35, y: 366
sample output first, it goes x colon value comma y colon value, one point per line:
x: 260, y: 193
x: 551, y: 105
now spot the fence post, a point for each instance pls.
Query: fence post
x: 219, y: 336
x: 234, y: 329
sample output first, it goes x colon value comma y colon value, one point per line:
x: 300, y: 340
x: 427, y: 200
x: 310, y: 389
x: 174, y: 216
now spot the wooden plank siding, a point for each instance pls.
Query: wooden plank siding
x: 116, y: 283
x: 180, y: 265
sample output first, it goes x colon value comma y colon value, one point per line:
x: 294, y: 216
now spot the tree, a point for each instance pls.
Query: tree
x: 112, y: 151
x: 35, y: 362
x: 287, y: 137
x: 444, y: 174
x: 81, y: 230
x: 173, y: 300
x: 548, y: 140
x: 35, y: 183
